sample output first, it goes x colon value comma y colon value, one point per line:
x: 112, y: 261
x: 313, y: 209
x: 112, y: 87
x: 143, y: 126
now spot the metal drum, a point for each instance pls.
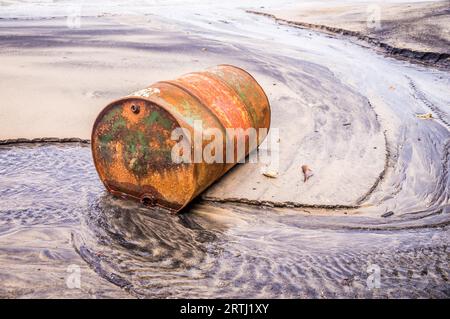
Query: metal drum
x: 133, y: 138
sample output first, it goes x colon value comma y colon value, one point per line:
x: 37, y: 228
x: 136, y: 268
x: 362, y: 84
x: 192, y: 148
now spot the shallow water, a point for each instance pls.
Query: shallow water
x: 51, y: 195
x: 217, y: 250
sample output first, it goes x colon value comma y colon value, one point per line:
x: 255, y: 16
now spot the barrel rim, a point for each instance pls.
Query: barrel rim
x: 179, y: 121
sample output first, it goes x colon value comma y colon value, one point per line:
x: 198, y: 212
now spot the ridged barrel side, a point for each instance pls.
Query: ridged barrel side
x: 133, y: 141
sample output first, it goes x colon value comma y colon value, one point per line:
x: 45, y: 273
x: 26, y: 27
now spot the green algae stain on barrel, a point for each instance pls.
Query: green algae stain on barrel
x: 132, y: 139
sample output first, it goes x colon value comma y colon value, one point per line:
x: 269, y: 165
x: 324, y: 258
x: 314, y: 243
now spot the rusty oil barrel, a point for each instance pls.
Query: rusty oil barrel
x: 132, y: 136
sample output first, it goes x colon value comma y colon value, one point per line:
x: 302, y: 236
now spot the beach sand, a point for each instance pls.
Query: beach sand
x: 349, y: 113
x: 414, y: 31
x: 334, y: 103
x: 56, y: 79
x: 418, y: 26
x: 59, y: 79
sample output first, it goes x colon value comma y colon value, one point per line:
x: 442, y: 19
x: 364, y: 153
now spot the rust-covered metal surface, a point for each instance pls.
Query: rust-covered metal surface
x: 132, y: 138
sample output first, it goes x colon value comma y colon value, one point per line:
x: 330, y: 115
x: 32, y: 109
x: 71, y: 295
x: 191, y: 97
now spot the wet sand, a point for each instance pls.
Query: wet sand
x: 64, y: 217
x: 344, y: 110
x: 416, y: 30
x: 37, y: 223
x: 58, y: 79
